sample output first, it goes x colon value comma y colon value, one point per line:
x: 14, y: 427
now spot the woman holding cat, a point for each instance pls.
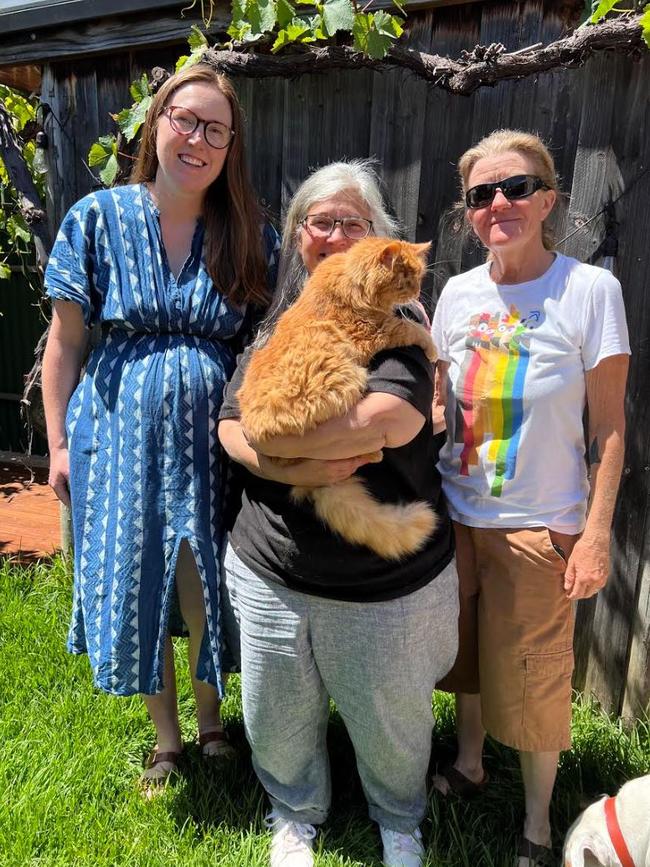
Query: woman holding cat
x: 169, y: 265
x: 526, y: 340
x: 322, y: 617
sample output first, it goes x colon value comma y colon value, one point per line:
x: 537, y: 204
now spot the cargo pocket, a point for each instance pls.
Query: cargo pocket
x: 546, y: 719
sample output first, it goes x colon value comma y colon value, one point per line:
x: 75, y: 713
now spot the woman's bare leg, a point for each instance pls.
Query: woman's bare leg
x: 538, y: 771
x: 192, y: 605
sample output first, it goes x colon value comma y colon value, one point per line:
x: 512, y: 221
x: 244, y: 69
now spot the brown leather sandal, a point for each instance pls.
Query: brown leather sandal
x: 224, y: 749
x: 538, y: 855
x: 155, y: 777
x: 461, y: 785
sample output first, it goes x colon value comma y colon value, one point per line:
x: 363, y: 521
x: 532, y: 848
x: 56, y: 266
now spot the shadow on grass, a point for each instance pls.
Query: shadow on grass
x: 217, y: 794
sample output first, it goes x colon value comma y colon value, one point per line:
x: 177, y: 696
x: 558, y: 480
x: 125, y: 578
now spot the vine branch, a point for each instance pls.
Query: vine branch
x: 485, y: 66
x: 29, y: 200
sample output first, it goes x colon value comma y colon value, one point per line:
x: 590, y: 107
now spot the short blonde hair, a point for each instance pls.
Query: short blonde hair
x: 527, y: 144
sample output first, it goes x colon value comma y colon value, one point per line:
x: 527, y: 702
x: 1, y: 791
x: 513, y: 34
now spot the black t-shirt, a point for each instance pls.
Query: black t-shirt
x: 286, y: 542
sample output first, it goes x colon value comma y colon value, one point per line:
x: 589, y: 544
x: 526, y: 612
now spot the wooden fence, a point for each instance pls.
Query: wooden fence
x: 597, y: 122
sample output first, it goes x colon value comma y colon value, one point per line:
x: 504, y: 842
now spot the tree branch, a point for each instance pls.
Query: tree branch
x: 484, y: 66
x: 29, y: 200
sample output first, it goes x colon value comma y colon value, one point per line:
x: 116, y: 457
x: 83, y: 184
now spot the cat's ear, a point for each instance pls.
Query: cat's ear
x: 422, y: 250
x: 390, y: 254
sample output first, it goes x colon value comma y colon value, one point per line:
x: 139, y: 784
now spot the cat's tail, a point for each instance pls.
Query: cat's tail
x: 390, y: 530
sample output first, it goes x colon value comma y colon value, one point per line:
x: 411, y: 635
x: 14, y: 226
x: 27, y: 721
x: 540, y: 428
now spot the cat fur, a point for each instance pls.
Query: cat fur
x: 314, y: 368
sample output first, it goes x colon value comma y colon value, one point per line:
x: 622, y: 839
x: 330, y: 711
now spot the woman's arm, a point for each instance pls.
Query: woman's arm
x: 588, y: 565
x: 62, y: 360
x: 312, y: 473
x: 378, y: 421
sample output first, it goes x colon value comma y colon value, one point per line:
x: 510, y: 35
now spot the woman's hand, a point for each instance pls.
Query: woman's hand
x: 59, y: 479
x: 588, y: 567
x: 313, y: 473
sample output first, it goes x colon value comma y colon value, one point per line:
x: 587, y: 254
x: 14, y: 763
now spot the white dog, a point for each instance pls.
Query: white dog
x: 614, y: 834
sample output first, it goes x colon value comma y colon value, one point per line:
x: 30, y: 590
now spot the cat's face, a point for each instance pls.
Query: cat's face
x: 390, y: 272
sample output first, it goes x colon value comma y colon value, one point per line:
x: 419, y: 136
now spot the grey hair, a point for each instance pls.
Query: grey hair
x: 356, y: 177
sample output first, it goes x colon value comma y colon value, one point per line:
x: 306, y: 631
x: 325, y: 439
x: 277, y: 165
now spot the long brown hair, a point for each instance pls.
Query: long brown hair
x: 233, y: 218
x: 527, y: 144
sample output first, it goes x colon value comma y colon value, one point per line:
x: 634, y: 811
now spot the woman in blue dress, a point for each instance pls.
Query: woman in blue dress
x: 171, y: 266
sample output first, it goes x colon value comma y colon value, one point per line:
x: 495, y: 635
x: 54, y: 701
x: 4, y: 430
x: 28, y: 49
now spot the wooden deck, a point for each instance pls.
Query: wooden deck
x: 29, y: 514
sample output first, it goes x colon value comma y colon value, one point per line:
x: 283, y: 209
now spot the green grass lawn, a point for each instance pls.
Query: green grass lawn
x: 69, y: 757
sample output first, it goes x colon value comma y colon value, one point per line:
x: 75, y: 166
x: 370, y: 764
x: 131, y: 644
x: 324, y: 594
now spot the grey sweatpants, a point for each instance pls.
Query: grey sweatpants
x: 378, y: 661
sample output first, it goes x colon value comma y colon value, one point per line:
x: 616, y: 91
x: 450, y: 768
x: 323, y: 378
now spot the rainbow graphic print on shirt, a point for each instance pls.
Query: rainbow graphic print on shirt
x: 490, y: 392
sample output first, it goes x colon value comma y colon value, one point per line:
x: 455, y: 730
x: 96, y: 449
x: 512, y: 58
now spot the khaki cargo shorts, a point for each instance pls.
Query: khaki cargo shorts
x: 516, y: 634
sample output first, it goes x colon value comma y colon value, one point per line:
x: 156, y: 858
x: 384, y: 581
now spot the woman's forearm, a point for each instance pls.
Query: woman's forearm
x: 606, y: 469
x: 237, y: 448
x: 307, y: 472
x: 605, y: 398
x: 379, y: 420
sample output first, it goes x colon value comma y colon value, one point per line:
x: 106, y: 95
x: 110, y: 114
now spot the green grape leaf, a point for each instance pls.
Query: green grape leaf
x: 375, y: 32
x: 109, y: 172
x: 131, y: 119
x: 190, y: 59
x: 140, y: 88
x: 18, y: 229
x: 100, y: 151
x: 602, y: 9
x: 108, y: 142
x: 388, y: 25
x: 240, y: 32
x: 337, y: 15
x: 297, y: 31
x: 261, y: 16
x: 317, y: 28
x: 197, y: 39
x: 645, y: 25
x: 285, y: 13
x: 5, y: 271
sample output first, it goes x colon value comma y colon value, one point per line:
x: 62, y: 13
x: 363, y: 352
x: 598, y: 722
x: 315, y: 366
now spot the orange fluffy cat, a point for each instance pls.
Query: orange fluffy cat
x: 313, y: 368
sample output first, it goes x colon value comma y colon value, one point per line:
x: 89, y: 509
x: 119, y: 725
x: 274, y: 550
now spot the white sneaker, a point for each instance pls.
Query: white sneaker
x: 402, y: 850
x: 292, y: 842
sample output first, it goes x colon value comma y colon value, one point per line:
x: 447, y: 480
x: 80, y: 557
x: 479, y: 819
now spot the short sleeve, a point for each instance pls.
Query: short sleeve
x: 69, y: 272
x: 439, y: 326
x: 406, y: 373
x: 604, y: 328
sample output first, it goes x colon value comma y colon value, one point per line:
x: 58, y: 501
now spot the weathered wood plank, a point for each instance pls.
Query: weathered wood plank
x: 447, y: 134
x: 263, y: 104
x: 317, y: 124
x: 632, y: 557
x: 396, y: 131
x: 597, y: 178
x: 100, y: 37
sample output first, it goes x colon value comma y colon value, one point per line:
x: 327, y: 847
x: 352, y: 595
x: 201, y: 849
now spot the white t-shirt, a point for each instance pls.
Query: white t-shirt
x: 515, y: 452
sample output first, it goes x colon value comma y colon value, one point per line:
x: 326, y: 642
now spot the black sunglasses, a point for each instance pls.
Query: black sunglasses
x: 516, y: 187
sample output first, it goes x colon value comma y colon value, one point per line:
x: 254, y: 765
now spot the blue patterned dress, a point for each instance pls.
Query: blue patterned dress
x: 142, y: 433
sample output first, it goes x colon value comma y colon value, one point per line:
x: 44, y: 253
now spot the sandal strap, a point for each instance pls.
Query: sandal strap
x: 538, y: 855
x: 462, y: 785
x: 157, y: 758
x: 216, y: 736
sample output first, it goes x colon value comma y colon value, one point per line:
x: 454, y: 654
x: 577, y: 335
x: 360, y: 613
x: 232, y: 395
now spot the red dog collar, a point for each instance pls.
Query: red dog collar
x: 616, y: 835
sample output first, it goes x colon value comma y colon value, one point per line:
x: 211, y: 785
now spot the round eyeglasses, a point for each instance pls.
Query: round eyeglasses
x: 515, y: 187
x: 184, y: 122
x: 322, y: 226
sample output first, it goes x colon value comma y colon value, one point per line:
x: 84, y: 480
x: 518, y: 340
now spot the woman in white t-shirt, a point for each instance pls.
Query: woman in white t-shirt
x: 525, y: 342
